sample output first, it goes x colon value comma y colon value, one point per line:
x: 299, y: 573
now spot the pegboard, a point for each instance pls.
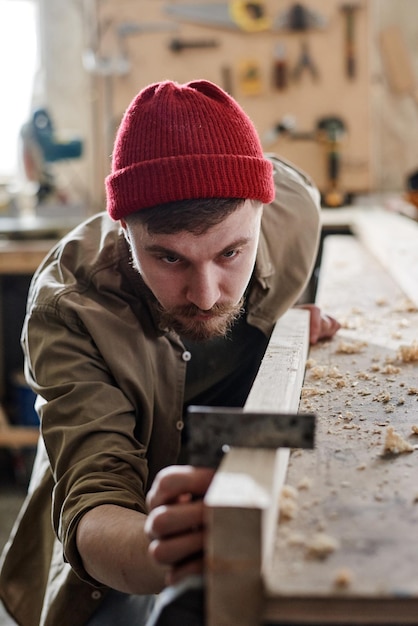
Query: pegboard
x: 131, y: 43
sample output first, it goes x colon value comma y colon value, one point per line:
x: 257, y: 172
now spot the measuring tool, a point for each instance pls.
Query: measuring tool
x: 212, y: 430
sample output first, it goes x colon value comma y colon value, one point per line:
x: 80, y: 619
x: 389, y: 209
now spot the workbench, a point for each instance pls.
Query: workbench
x: 24, y: 243
x: 344, y: 547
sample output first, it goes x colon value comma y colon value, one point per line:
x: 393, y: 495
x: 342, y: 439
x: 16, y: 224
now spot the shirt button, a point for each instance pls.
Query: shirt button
x: 186, y: 356
x: 96, y: 595
x: 179, y: 425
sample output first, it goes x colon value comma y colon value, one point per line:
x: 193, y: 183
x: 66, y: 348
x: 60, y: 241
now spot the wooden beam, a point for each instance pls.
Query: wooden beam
x: 243, y: 500
x: 393, y: 240
x: 358, y: 500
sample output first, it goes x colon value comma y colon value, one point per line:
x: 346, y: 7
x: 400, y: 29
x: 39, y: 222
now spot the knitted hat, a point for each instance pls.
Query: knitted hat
x: 181, y: 142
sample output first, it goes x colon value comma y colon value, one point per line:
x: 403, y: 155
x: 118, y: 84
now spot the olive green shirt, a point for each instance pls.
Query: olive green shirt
x: 111, y: 385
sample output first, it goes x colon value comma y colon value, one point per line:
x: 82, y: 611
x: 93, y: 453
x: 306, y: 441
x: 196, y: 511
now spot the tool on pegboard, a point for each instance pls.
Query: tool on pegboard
x: 178, y: 45
x: 330, y: 131
x: 236, y: 15
x: 299, y: 18
x: 349, y: 9
x: 249, y: 77
x: 305, y: 64
x: 280, y: 67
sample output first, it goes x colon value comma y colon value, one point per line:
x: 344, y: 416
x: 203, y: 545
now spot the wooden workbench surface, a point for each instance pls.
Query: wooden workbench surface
x: 347, y: 495
x: 23, y: 257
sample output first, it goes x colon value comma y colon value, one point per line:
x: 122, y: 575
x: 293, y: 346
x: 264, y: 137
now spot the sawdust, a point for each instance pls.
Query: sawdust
x: 395, y: 443
x: 288, y: 503
x: 408, y: 354
x: 345, y: 347
x: 343, y: 578
x: 321, y: 546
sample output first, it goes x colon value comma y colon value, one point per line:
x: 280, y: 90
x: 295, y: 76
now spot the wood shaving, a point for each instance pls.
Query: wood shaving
x: 414, y: 429
x: 320, y: 546
x: 312, y: 391
x: 343, y: 578
x: 355, y: 347
x: 288, y: 504
x: 413, y: 391
x: 341, y: 383
x: 305, y: 483
x: 406, y: 306
x: 384, y: 397
x: 409, y: 354
x: 395, y: 444
x: 390, y: 369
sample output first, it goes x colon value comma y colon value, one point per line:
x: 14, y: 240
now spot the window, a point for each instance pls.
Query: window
x: 18, y: 65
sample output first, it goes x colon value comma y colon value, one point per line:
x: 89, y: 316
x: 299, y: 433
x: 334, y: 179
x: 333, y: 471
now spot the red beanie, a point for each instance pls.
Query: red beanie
x: 181, y: 142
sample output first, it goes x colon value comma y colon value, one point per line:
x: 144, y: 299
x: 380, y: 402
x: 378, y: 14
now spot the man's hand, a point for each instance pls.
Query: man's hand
x: 175, y: 525
x: 321, y: 326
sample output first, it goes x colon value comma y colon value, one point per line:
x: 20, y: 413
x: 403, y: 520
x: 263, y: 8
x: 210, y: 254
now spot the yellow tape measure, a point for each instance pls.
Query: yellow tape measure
x: 249, y: 16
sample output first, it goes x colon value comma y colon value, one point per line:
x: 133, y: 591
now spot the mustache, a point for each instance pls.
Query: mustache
x: 218, y: 310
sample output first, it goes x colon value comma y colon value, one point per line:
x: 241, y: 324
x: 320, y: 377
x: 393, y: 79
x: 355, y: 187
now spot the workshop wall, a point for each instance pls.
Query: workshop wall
x: 121, y: 46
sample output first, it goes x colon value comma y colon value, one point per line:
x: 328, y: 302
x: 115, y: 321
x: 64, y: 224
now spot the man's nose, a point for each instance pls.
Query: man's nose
x: 203, y: 289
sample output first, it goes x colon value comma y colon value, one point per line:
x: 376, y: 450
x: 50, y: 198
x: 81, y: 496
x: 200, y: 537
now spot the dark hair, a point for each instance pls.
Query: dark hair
x: 195, y: 216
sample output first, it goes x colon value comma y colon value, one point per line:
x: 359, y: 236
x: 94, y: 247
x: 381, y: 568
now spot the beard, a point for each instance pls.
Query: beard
x: 187, y: 322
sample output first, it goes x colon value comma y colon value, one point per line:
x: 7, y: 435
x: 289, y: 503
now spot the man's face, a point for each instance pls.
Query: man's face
x: 199, y: 280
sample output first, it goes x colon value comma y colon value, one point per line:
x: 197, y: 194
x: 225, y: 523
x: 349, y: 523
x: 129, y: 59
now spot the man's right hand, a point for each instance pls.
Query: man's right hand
x: 176, y: 522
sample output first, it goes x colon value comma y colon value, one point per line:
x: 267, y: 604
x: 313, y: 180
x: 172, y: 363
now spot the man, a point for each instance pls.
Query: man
x: 166, y: 301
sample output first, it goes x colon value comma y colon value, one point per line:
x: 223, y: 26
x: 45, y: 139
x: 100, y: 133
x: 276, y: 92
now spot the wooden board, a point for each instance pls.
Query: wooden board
x: 347, y: 489
x: 393, y: 240
x: 243, y: 500
x: 397, y: 62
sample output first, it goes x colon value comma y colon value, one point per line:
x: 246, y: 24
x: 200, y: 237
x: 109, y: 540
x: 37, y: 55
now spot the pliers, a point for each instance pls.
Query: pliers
x: 305, y: 62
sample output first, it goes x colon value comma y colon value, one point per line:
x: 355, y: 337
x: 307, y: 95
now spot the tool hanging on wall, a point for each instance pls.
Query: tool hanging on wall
x: 305, y: 63
x: 236, y: 15
x: 249, y: 77
x: 178, y: 45
x: 299, y: 18
x: 349, y: 9
x: 330, y: 131
x: 280, y: 68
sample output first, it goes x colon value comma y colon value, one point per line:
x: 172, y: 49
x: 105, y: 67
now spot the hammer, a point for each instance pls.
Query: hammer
x: 177, y: 45
x: 211, y: 431
x: 349, y: 9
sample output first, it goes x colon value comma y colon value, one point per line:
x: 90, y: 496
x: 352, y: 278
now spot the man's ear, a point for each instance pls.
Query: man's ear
x: 125, y: 229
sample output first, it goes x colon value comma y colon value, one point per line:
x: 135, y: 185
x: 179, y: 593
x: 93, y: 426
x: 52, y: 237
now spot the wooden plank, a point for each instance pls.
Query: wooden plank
x: 397, y: 61
x: 243, y: 499
x: 393, y: 240
x: 348, y: 491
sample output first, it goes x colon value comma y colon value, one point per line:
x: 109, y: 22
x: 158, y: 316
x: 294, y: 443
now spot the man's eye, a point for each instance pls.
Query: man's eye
x: 170, y: 259
x: 230, y: 254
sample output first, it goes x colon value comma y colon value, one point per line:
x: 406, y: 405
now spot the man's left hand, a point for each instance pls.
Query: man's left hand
x: 321, y: 326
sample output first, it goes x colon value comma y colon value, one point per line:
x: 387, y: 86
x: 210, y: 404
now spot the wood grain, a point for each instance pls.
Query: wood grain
x: 243, y: 500
x: 347, y: 488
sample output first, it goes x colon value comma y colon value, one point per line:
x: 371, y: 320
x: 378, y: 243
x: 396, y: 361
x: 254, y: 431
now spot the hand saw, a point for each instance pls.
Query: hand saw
x: 235, y: 15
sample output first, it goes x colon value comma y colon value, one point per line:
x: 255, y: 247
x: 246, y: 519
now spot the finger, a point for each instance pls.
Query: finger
x: 329, y: 326
x: 173, y: 482
x: 165, y: 521
x: 190, y: 567
x: 177, y: 549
